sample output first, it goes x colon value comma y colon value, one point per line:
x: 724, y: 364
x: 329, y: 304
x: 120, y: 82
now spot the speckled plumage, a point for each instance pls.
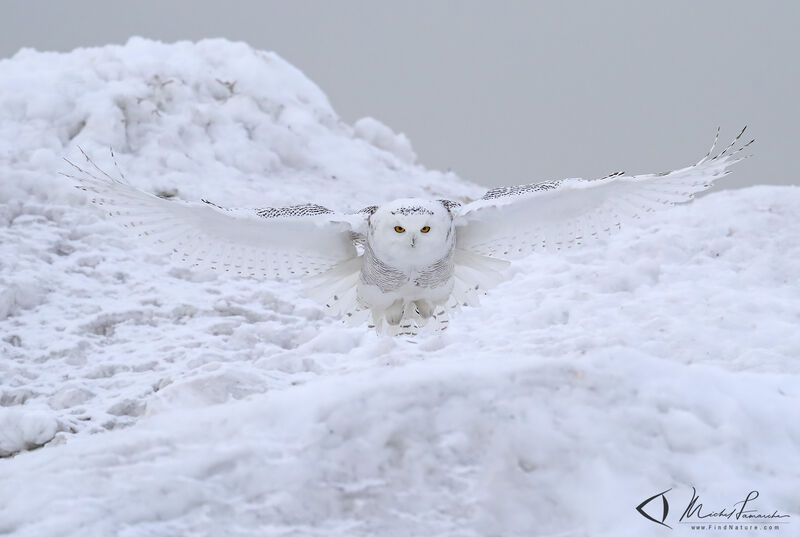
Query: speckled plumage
x: 504, y: 191
x: 306, y: 209
x: 387, y: 278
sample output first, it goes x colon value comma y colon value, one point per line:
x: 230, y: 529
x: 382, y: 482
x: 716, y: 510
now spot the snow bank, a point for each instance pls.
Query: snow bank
x: 19, y: 295
x: 20, y: 430
x: 379, y: 135
x: 194, y: 119
x: 186, y: 403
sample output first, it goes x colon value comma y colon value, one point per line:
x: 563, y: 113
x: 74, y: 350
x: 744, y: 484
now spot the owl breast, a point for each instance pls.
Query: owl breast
x: 380, y: 284
x: 387, y: 278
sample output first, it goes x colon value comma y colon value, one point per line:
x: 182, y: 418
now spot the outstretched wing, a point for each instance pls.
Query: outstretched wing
x: 511, y: 222
x: 267, y: 243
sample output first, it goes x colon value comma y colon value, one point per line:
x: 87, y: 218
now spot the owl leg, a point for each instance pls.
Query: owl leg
x: 410, y: 322
x: 441, y: 318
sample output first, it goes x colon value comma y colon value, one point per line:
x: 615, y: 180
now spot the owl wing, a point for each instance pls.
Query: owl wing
x: 511, y: 222
x: 284, y: 242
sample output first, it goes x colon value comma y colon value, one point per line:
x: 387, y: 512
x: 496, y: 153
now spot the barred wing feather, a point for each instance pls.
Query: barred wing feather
x: 276, y: 242
x: 512, y: 222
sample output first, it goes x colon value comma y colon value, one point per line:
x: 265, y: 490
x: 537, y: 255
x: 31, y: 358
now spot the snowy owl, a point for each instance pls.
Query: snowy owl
x: 403, y: 264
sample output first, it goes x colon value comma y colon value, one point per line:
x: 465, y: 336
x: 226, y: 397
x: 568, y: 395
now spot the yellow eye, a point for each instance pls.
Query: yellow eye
x: 425, y: 229
x: 399, y: 229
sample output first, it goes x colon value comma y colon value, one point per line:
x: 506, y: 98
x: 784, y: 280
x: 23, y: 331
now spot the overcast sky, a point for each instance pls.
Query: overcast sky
x: 505, y: 92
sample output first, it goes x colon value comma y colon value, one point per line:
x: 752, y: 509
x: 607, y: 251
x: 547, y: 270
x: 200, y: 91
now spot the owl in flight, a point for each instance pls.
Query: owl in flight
x: 404, y: 264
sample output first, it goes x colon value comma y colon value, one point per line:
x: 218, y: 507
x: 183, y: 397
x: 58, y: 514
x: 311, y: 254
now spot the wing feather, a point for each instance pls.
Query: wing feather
x: 265, y: 243
x: 511, y: 222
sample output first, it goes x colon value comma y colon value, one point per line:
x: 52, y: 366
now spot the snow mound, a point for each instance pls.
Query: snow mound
x: 192, y: 119
x: 18, y: 295
x: 381, y: 136
x: 173, y: 402
x: 20, y: 430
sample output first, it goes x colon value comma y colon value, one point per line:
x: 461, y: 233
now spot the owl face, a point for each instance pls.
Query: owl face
x: 410, y: 232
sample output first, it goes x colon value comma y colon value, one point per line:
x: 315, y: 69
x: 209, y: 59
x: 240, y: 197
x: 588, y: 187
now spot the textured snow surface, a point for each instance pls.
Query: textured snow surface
x: 172, y: 402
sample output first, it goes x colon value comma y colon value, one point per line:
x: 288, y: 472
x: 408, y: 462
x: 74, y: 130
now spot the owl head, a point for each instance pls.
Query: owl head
x: 411, y: 232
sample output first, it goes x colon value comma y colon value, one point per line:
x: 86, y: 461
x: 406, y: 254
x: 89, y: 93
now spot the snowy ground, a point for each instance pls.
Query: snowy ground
x: 172, y: 402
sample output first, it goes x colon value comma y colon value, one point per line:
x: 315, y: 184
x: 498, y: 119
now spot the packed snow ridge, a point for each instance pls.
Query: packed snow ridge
x: 174, y: 402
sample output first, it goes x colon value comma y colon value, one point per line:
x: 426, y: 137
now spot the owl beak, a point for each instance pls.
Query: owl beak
x: 413, y: 240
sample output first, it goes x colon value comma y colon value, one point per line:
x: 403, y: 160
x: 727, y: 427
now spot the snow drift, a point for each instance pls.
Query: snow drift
x: 173, y: 402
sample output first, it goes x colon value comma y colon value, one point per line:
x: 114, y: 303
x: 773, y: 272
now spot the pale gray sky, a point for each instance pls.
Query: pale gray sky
x: 504, y: 92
